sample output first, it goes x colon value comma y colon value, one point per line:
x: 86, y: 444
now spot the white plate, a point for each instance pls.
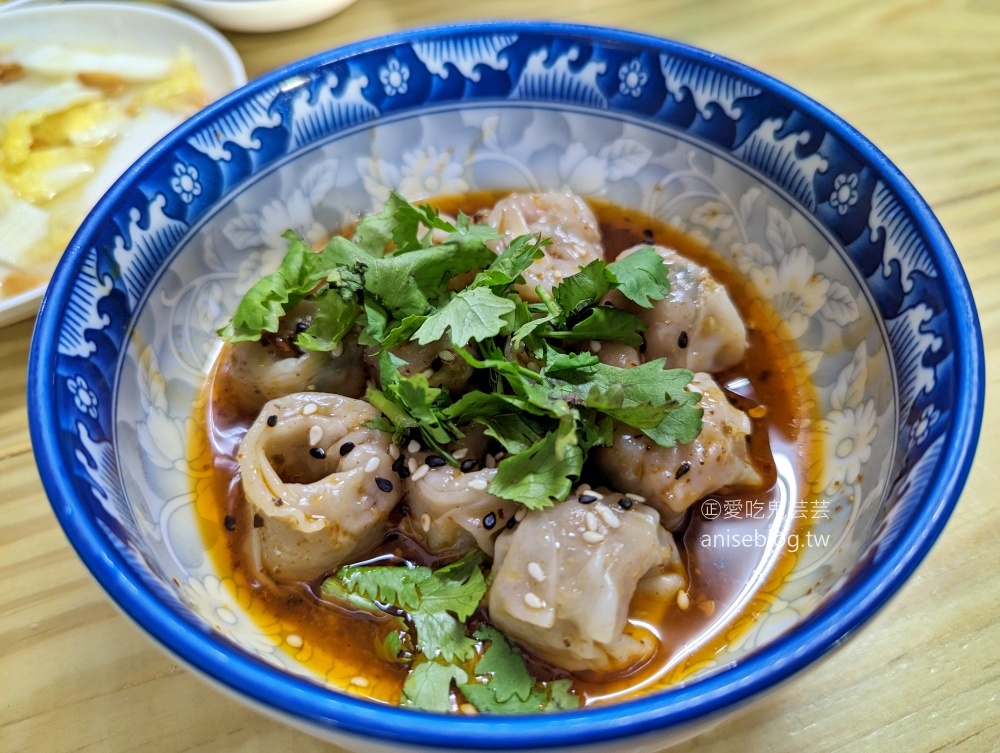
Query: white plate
x: 128, y: 27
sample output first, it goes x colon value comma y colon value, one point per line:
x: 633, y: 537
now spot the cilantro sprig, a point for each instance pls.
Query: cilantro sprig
x: 488, y: 671
x: 409, y: 274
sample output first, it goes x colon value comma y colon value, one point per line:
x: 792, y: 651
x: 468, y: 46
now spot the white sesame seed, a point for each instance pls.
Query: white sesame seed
x: 446, y: 355
x: 315, y: 435
x: 520, y: 513
x: 309, y: 408
x: 468, y: 709
x: 595, y: 345
x: 338, y: 351
x: 413, y: 446
x: 372, y: 465
x: 635, y: 497
x: 428, y: 373
x: 592, y: 521
x: 412, y: 465
x: 536, y: 572
x: 425, y: 522
x: 595, y: 494
x: 683, y: 600
x: 708, y: 607
x: 294, y: 640
x: 582, y: 488
x: 593, y: 537
x: 460, y: 454
x: 420, y: 473
x: 393, y: 452
x: 608, y: 516
x: 478, y: 483
x: 361, y: 682
x: 533, y: 600
x: 534, y: 366
x: 491, y: 462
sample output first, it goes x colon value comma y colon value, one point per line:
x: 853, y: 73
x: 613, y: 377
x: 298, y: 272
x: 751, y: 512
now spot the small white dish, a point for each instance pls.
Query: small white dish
x: 129, y: 27
x: 258, y: 16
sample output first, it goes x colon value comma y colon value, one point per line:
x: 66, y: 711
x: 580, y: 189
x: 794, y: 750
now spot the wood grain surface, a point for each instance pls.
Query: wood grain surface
x: 920, y: 78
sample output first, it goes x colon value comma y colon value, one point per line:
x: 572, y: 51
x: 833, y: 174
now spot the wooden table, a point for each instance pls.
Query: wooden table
x: 921, y: 78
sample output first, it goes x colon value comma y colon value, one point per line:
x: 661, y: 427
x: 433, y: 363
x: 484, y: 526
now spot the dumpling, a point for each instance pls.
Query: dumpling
x: 564, y: 577
x: 673, y: 478
x: 318, y: 481
x: 696, y: 326
x: 563, y: 217
x: 449, y: 508
x: 443, y: 367
x: 273, y: 366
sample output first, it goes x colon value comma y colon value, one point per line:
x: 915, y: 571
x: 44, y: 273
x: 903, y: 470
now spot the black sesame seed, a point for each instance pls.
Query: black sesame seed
x: 625, y: 503
x: 435, y: 461
x: 384, y: 484
x: 469, y: 465
x: 318, y: 452
x: 683, y: 469
x: 511, y: 524
x: 346, y: 448
x: 490, y: 521
x: 682, y: 340
x: 258, y: 521
x: 586, y: 499
x: 230, y: 523
x: 272, y: 420
x: 400, y: 467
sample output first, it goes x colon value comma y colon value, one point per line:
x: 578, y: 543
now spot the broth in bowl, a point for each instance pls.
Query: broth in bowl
x: 717, y: 524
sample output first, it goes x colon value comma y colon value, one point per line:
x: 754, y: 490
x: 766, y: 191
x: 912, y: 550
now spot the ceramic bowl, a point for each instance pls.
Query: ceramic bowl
x: 256, y: 16
x: 869, y: 290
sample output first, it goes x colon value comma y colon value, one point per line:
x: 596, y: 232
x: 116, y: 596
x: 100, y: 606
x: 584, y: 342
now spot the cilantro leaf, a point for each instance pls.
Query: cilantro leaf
x: 438, y: 602
x: 583, y: 289
x: 473, y: 314
x: 641, y: 277
x: 389, y: 585
x: 509, y: 674
x: 374, y: 232
x: 605, y: 323
x: 333, y: 319
x: 560, y: 696
x: 440, y: 634
x: 516, y: 432
x: 457, y: 588
x: 650, y: 384
x: 568, y: 361
x: 409, y: 219
x: 428, y: 686
x: 506, y: 269
x: 271, y: 296
x: 544, y: 473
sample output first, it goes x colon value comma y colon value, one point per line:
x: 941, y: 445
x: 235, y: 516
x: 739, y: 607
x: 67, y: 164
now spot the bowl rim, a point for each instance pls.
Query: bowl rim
x: 306, y: 702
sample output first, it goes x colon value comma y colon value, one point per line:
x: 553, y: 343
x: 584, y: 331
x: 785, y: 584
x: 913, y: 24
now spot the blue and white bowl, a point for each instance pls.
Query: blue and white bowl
x: 868, y: 287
